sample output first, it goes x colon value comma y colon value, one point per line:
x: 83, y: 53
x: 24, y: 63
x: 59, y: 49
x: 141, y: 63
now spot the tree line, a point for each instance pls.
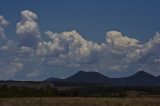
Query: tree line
x: 81, y: 91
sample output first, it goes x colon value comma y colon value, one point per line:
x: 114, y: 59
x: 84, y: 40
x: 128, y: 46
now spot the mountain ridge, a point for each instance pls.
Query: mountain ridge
x: 140, y: 78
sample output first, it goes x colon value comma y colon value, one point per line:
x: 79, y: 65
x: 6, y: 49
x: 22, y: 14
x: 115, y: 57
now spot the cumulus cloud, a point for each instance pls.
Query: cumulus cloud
x: 10, y: 70
x: 14, y: 68
x: 116, y: 38
x: 28, y: 24
x: 119, y: 53
x: 146, y: 48
x: 70, y: 44
x: 3, y: 23
x: 72, y: 50
x: 28, y: 29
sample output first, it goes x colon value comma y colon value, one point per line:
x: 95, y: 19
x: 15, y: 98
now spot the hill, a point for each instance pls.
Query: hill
x: 140, y: 78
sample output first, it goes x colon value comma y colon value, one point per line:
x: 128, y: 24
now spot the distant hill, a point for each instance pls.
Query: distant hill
x: 53, y: 79
x: 140, y: 78
x: 88, y: 77
x: 141, y: 75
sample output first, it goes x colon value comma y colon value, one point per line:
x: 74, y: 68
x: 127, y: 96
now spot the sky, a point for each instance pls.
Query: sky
x: 57, y: 38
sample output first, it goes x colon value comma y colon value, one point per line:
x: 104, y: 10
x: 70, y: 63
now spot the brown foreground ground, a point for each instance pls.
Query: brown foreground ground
x: 69, y: 101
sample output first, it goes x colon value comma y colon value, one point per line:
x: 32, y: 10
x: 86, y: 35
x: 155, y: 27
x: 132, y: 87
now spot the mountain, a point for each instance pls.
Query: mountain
x: 88, y: 77
x: 140, y: 78
x: 141, y: 75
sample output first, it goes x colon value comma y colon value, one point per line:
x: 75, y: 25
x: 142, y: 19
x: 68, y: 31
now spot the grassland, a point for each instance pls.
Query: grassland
x: 79, y: 101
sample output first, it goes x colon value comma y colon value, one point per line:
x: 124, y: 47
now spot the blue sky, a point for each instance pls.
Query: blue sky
x: 91, y: 19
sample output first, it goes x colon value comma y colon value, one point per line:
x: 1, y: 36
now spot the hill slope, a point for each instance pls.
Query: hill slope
x: 140, y: 78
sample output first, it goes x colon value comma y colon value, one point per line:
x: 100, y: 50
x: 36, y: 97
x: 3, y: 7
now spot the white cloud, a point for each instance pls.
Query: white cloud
x: 11, y: 69
x: 72, y: 50
x: 68, y: 46
x: 68, y: 43
x: 3, y: 23
x: 119, y: 67
x: 28, y: 29
x: 26, y: 50
x: 34, y: 73
x: 14, y: 68
x: 117, y: 39
x: 157, y: 60
x: 145, y: 48
x: 69, y: 49
x: 28, y: 24
x: 8, y: 46
x: 156, y: 39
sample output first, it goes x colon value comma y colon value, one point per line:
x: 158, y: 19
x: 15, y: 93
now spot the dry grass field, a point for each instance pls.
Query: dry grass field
x: 69, y: 101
